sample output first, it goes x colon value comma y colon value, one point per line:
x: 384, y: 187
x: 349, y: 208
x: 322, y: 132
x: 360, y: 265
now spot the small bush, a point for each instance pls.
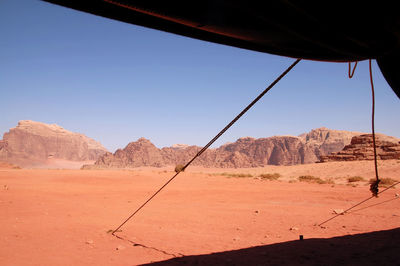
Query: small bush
x: 385, y: 182
x: 313, y: 179
x: 273, y: 176
x: 241, y: 175
x: 388, y: 181
x: 234, y: 175
x: 355, y: 179
x: 329, y: 181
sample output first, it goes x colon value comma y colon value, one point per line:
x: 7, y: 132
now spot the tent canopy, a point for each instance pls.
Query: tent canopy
x: 315, y: 30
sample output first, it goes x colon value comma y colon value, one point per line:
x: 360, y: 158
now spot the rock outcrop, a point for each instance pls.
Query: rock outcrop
x: 361, y: 148
x: 135, y: 154
x: 31, y: 143
x: 279, y: 150
x: 245, y: 152
x: 324, y: 141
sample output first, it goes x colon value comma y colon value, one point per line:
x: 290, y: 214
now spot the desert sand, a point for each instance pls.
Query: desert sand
x: 63, y: 217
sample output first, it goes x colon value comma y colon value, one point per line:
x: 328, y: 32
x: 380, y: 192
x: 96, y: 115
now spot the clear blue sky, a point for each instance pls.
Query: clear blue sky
x: 116, y: 82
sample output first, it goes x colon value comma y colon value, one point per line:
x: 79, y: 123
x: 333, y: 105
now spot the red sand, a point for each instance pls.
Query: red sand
x: 61, y: 217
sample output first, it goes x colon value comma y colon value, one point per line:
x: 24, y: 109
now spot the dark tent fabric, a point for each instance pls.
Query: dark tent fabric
x: 336, y: 31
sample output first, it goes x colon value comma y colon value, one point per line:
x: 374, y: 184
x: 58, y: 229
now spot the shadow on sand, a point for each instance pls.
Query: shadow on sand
x: 376, y: 248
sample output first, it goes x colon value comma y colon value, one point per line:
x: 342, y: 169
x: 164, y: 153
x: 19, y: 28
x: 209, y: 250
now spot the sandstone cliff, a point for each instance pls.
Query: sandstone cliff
x: 135, y: 154
x: 32, y: 143
x: 324, y: 141
x: 361, y: 148
x: 279, y: 150
x: 245, y: 152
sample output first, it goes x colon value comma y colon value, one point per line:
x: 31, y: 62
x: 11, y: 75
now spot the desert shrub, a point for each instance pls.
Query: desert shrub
x: 233, y: 174
x: 313, y: 179
x: 385, y: 182
x: 273, y: 176
x: 240, y: 175
x: 388, y: 181
x: 355, y: 179
x: 328, y: 181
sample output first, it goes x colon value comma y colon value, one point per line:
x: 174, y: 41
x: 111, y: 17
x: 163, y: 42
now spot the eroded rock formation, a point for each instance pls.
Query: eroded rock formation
x: 361, y: 148
x: 325, y: 141
x: 32, y: 143
x: 245, y: 152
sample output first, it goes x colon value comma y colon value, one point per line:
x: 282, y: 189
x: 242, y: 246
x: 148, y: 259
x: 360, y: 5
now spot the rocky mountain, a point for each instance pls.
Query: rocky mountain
x: 32, y: 143
x: 278, y: 150
x: 361, y: 148
x: 324, y: 141
x: 245, y: 152
x: 135, y: 154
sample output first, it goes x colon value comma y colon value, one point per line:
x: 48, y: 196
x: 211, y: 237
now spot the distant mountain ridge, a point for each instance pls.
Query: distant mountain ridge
x: 36, y: 144
x: 33, y: 143
x: 245, y: 152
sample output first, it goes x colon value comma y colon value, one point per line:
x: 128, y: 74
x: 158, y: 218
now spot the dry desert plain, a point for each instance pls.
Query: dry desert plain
x: 204, y: 217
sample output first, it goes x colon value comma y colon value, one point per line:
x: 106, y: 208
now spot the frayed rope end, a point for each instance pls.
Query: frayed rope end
x: 374, y: 187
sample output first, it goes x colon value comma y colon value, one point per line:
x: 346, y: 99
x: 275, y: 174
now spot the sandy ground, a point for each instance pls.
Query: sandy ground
x: 62, y: 217
x: 51, y: 163
x: 62, y: 164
